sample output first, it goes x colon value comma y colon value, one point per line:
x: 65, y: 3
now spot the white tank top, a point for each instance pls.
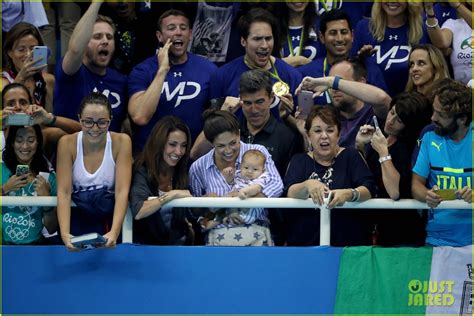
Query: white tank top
x: 104, y: 177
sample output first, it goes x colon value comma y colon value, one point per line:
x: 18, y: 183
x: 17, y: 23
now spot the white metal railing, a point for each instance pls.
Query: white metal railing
x: 221, y: 202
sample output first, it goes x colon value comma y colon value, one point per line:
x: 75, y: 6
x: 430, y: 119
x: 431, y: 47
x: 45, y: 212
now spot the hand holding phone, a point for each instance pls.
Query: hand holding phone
x: 447, y: 194
x: 19, y: 119
x: 305, y: 102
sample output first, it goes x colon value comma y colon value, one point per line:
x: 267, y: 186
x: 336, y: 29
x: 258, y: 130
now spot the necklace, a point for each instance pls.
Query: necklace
x: 327, y: 177
x: 166, y: 184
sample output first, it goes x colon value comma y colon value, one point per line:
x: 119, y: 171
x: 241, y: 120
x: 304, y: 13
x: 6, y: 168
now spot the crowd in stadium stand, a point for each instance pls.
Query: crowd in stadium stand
x: 122, y: 104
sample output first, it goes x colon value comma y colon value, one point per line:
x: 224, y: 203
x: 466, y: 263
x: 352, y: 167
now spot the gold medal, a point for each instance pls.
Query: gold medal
x: 280, y: 88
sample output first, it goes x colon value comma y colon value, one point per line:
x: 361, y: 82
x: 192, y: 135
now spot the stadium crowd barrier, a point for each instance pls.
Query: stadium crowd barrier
x: 224, y: 202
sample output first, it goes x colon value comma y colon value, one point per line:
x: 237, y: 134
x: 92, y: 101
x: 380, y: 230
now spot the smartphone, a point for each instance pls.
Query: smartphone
x: 21, y: 170
x: 376, y: 123
x: 305, y: 102
x: 447, y: 194
x: 19, y: 119
x: 40, y: 55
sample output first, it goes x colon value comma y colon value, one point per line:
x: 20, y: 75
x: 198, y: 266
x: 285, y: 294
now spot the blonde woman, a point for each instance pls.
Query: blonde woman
x: 426, y: 65
x: 387, y: 38
x: 455, y: 37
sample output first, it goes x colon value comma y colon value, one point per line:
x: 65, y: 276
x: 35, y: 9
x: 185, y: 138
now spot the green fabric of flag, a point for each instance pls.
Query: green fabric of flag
x: 375, y: 280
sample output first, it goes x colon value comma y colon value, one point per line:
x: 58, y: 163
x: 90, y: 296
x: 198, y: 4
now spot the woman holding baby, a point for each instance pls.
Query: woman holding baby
x: 211, y: 175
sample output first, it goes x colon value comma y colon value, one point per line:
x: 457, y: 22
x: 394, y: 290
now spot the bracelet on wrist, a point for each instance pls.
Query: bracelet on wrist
x: 355, y: 195
x: 53, y: 121
x: 457, y: 7
x: 384, y: 158
x: 431, y: 25
x: 430, y: 16
x: 163, y: 198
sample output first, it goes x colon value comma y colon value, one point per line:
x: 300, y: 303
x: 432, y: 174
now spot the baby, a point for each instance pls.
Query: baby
x: 246, y: 182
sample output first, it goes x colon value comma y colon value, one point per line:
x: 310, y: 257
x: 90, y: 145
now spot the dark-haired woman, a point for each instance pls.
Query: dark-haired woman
x: 95, y: 170
x: 160, y: 173
x: 389, y: 159
x: 21, y: 68
x: 327, y: 170
x: 300, y: 43
x: 221, y: 129
x: 24, y: 224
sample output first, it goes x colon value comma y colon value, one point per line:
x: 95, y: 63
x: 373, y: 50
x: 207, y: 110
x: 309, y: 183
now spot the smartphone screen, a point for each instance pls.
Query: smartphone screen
x: 22, y: 170
x: 19, y: 119
x: 40, y: 55
x: 305, y: 102
x: 376, y: 123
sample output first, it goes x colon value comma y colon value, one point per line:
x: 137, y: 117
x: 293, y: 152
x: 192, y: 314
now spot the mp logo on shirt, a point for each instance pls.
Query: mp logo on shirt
x: 313, y: 51
x: 179, y: 91
x: 395, y: 51
x: 114, y: 97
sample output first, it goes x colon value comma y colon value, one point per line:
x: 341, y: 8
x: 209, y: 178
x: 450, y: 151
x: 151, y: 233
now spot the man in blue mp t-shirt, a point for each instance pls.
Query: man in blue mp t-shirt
x: 336, y: 35
x: 256, y: 30
x: 174, y: 82
x: 445, y: 163
x: 84, y: 69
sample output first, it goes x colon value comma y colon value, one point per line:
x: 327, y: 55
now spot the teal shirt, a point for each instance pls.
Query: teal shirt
x: 23, y: 224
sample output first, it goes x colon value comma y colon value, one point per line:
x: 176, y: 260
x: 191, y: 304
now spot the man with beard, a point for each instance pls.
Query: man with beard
x: 174, y: 82
x: 356, y: 100
x: 84, y: 69
x: 445, y: 163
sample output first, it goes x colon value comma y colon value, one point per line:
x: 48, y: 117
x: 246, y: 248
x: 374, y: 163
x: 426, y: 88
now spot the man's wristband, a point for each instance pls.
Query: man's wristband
x: 335, y: 83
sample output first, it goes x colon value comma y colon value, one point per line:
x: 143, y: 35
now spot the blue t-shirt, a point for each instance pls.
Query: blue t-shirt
x: 443, y: 12
x: 312, y: 49
x: 225, y: 81
x: 70, y: 90
x: 316, y: 69
x: 23, y: 224
x: 449, y: 166
x: 356, y: 10
x: 185, y: 93
x: 391, y: 55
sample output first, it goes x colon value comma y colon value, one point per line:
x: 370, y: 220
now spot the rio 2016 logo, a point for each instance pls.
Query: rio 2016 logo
x: 468, y: 43
x: 430, y: 293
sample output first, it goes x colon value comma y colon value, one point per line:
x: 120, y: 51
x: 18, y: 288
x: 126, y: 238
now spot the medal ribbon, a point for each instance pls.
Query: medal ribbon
x: 290, y: 44
x: 273, y: 72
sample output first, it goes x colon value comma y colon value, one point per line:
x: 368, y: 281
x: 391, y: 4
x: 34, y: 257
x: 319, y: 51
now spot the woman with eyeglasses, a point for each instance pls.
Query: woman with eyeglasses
x: 94, y: 168
x: 26, y: 172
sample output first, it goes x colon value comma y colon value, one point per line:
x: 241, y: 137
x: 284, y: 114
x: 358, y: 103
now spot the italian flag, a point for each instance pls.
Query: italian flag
x: 405, y: 281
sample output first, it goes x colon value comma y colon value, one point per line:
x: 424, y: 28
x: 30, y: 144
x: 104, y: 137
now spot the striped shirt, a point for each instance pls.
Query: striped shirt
x: 206, y: 178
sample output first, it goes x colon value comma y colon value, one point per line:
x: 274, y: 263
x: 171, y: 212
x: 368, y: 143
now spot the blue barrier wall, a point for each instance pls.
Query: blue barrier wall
x: 145, y: 279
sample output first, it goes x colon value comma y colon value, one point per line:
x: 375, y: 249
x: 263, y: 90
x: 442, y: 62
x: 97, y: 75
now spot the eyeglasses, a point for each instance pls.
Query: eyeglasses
x: 100, y: 123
